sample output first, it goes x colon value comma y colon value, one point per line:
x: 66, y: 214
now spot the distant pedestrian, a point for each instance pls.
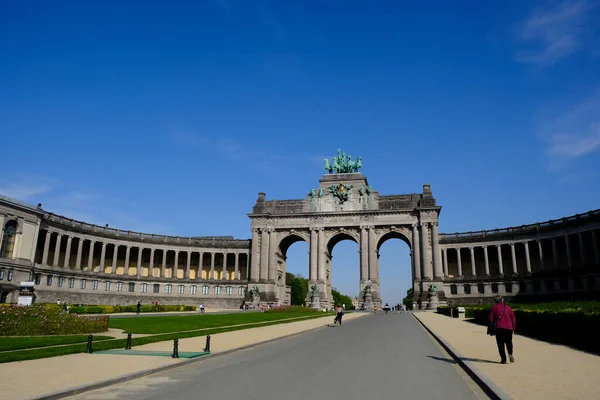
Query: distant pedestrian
x: 202, y: 308
x: 64, y: 307
x: 139, y: 308
x: 339, y: 313
x: 505, y: 323
x: 451, y: 307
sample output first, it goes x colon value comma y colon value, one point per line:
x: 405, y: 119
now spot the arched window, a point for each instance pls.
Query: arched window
x: 8, y: 241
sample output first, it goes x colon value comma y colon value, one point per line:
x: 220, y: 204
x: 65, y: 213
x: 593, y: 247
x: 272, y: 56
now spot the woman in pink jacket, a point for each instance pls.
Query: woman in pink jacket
x: 505, y: 327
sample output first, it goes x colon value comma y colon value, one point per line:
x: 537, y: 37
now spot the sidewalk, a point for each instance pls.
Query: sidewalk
x: 36, y: 378
x: 541, y: 370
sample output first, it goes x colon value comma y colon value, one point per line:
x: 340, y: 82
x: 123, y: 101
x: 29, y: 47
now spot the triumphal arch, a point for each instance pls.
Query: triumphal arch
x: 343, y: 207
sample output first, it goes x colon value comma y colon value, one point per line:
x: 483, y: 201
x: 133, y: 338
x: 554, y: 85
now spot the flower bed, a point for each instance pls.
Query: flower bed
x: 100, y: 309
x: 38, y: 320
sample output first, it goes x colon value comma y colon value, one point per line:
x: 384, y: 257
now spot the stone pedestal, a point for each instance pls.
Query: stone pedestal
x: 433, y: 302
x: 315, y: 302
x: 369, y: 306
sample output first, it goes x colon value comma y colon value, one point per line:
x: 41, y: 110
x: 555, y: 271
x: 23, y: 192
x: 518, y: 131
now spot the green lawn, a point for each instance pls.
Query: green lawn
x: 188, y: 323
x: 29, y: 342
x: 267, y: 319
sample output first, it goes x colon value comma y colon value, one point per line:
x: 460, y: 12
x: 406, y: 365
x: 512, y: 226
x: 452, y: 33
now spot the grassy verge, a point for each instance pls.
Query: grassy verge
x: 149, y: 325
x: 16, y: 343
x: 120, y: 343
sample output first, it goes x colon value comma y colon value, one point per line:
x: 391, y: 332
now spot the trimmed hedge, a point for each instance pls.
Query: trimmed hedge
x: 293, y: 309
x: 445, y: 310
x: 100, y: 309
x: 575, y: 324
x: 37, y: 320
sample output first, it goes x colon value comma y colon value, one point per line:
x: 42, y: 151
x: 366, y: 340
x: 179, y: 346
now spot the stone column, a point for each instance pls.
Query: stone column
x: 595, y: 246
x: 582, y: 250
x: 459, y: 262
x: 188, y: 265
x: 541, y: 254
x: 200, y: 262
x: 236, y: 266
x: 103, y: 257
x: 225, y: 265
x: 445, y: 261
x: 91, y: 256
x: 321, y: 256
x: 314, y: 253
x: 438, y: 271
x: 264, y: 255
x: 151, y: 265
x: 163, y: 268
x: 416, y: 253
x: 114, y: 259
x: 68, y: 252
x: 487, y: 261
x: 139, y: 261
x: 79, y: 251
x: 473, y: 266
x: 127, y: 253
x: 273, y: 256
x: 364, y: 255
x: 57, y: 250
x: 500, y: 266
x: 255, y: 254
x: 426, y: 254
x: 175, y: 265
x: 515, y: 268
x: 569, y: 258
x: 555, y: 253
x: 46, y: 248
x: 212, y: 266
x: 527, y: 259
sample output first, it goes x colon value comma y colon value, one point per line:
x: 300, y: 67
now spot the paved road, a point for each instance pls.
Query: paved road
x: 375, y: 357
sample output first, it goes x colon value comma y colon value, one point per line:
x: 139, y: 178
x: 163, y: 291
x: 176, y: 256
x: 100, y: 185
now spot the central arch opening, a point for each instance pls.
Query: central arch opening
x: 395, y: 268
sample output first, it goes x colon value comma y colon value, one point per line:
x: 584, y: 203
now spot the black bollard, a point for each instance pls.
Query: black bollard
x: 207, y: 348
x: 128, y: 344
x: 89, y: 345
x: 175, y: 349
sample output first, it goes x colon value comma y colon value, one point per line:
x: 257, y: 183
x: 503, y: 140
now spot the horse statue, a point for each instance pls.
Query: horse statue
x: 328, y: 168
x: 358, y: 165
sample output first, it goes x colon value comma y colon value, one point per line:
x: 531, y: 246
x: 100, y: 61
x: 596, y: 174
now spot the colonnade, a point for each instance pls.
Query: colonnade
x: 567, y: 251
x: 157, y: 256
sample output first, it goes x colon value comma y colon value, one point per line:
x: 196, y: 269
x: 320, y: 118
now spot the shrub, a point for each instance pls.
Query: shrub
x: 38, y: 320
x: 100, y: 309
x: 293, y: 309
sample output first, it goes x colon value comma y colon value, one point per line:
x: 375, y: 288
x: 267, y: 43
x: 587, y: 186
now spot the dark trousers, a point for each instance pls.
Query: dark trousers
x: 504, y: 337
x: 339, y: 318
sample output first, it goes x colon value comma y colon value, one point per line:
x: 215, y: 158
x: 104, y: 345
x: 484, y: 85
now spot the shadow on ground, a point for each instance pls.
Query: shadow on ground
x: 451, y: 361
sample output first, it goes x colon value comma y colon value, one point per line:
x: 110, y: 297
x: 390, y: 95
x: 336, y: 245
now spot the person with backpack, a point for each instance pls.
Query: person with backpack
x: 502, y: 325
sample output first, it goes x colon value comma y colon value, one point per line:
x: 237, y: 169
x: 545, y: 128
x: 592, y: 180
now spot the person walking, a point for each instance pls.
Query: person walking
x: 504, y: 318
x: 139, y: 308
x: 339, y: 312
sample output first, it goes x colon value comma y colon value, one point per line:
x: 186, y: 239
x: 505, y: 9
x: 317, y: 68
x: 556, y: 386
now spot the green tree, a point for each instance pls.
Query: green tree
x: 408, y: 300
x: 339, y: 298
x: 299, y: 287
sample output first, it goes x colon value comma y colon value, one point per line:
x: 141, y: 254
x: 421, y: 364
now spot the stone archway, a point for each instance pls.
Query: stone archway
x: 343, y: 206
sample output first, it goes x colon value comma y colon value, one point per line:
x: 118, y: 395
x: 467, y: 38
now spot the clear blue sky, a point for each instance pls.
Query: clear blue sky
x: 170, y: 117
